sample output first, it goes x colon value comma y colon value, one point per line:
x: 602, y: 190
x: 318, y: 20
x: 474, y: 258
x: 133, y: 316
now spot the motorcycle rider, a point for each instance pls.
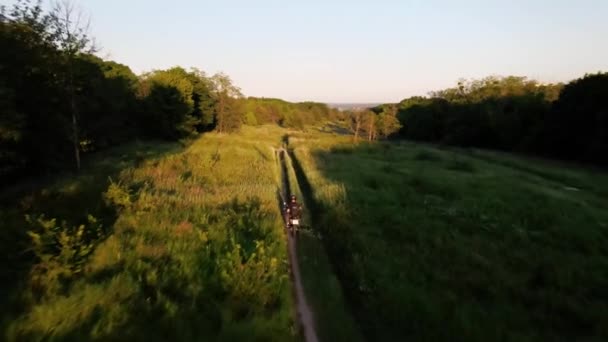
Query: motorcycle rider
x: 293, y: 209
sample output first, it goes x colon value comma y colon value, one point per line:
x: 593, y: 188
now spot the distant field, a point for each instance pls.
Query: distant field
x: 353, y: 106
x: 442, y: 245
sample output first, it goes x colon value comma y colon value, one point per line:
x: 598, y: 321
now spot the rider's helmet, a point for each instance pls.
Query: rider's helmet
x: 293, y: 198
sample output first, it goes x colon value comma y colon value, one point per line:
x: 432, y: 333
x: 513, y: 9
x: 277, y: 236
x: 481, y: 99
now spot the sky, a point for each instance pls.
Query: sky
x: 355, y: 51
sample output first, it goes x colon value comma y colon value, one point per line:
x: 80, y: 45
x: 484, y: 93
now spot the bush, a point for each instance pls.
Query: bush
x: 117, y: 196
x: 61, y: 252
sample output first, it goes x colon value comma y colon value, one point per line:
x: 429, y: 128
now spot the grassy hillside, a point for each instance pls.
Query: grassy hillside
x: 434, y: 244
x: 162, y: 242
x: 196, y: 251
x: 333, y: 320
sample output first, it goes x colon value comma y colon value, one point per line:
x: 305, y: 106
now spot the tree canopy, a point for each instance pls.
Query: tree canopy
x: 515, y: 114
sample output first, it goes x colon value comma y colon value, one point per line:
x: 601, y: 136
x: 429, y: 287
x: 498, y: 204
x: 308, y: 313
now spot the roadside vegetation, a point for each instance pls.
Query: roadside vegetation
x: 60, y: 102
x: 196, y: 250
x: 514, y: 114
x: 441, y: 244
x: 333, y: 319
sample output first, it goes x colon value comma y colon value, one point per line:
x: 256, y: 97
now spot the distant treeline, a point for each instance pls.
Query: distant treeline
x: 260, y: 111
x: 58, y: 100
x: 515, y: 114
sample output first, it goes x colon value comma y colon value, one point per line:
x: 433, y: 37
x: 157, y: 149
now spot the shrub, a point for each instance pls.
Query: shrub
x: 61, y: 252
x: 117, y: 196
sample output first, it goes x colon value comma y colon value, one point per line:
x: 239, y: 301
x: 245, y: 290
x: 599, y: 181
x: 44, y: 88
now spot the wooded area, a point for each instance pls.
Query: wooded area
x: 58, y: 100
x: 516, y: 114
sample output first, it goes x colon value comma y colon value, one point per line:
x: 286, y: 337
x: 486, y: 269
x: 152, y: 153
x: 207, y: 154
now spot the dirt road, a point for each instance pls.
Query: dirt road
x: 304, y: 313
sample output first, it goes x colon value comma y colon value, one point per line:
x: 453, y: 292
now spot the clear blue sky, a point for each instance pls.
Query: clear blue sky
x: 356, y: 51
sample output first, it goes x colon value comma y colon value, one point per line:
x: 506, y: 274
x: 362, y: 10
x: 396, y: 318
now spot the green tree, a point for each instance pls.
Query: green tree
x: 387, y: 124
x: 356, y: 123
x: 202, y: 98
x: 578, y: 125
x: 70, y: 32
x: 228, y: 105
x: 193, y: 111
x: 32, y: 120
x: 105, y: 93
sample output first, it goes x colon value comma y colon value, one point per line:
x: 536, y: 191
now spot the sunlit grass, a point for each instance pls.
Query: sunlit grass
x: 333, y: 319
x: 197, y: 249
x: 425, y: 243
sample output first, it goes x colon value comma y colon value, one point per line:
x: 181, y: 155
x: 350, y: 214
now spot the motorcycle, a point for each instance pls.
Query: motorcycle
x: 293, y: 224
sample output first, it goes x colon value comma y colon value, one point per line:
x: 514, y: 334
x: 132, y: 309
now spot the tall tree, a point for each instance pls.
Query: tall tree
x: 228, y: 107
x: 166, y: 104
x: 371, y: 125
x: 70, y: 30
x: 578, y: 125
x: 29, y: 70
x: 202, y: 98
x: 387, y: 122
x: 356, y: 118
x: 364, y: 123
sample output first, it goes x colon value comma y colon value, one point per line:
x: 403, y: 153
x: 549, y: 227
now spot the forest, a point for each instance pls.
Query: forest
x: 515, y: 114
x: 60, y: 101
x: 83, y: 103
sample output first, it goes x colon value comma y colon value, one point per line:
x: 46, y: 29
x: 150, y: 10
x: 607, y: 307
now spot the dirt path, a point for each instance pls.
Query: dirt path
x: 305, y: 316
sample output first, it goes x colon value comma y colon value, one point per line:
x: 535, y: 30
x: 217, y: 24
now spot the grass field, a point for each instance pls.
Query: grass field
x: 403, y: 241
x: 71, y: 198
x: 333, y: 319
x: 435, y: 244
x: 196, y: 251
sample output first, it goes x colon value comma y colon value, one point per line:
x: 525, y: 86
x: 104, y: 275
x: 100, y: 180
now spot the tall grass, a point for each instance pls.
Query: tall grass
x: 73, y: 200
x: 439, y: 245
x: 333, y: 320
x: 196, y: 252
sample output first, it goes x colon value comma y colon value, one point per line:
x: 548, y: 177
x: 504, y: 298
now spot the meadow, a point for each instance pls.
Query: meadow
x: 156, y: 241
x: 439, y: 244
x: 332, y: 317
x: 182, y: 245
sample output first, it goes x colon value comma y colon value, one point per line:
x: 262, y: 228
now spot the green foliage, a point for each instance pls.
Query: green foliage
x: 117, y: 196
x: 464, y: 248
x: 73, y: 200
x: 228, y: 107
x: 380, y: 122
x: 175, y: 103
x: 30, y: 64
x: 387, y: 124
x: 250, y: 119
x: 61, y: 252
x: 82, y: 103
x: 165, y: 113
x: 514, y: 114
x: 106, y: 101
x: 578, y: 126
x: 195, y: 251
x: 261, y: 111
